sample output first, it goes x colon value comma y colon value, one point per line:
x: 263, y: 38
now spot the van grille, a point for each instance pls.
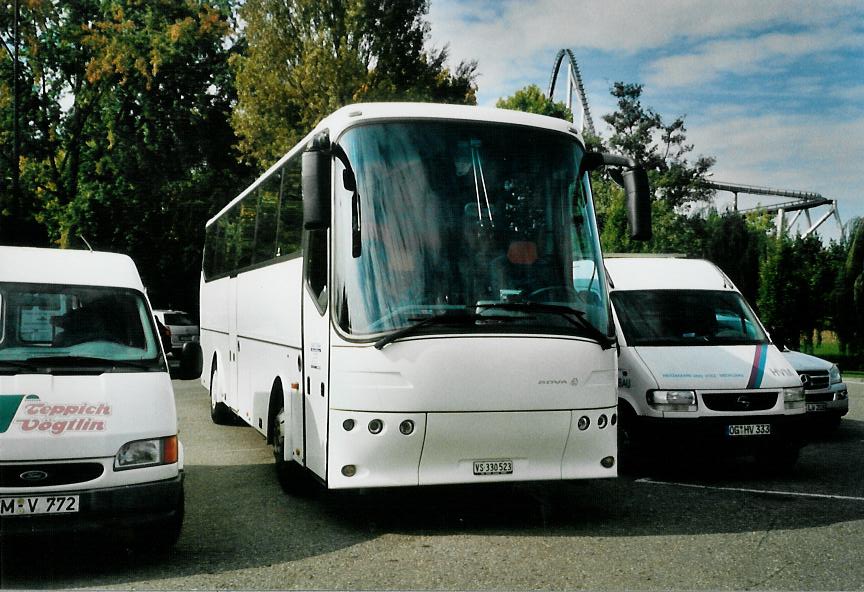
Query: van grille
x: 814, y: 379
x: 43, y: 475
x: 739, y: 401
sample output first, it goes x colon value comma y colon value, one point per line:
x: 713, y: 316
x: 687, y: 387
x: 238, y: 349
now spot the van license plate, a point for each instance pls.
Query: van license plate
x: 816, y: 406
x: 493, y: 467
x: 749, y: 429
x: 47, y: 504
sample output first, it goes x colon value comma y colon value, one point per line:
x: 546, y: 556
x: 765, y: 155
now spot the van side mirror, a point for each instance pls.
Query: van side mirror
x: 316, y: 163
x: 191, y: 361
x: 634, y: 179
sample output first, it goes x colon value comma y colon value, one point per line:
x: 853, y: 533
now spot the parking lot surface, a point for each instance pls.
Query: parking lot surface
x: 701, y: 523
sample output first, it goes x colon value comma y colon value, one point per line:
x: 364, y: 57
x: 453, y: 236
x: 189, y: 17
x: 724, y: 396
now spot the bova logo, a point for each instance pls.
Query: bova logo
x: 9, y: 405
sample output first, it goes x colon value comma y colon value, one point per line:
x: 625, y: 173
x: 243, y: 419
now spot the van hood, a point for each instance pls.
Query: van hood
x: 718, y: 367
x: 71, y: 417
x: 801, y: 361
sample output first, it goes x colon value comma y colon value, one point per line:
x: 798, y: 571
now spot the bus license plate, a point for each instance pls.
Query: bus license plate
x: 47, y: 504
x: 493, y: 467
x: 749, y: 429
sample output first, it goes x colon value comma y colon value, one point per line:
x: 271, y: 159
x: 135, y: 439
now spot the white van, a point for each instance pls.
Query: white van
x: 88, y: 425
x: 696, y: 367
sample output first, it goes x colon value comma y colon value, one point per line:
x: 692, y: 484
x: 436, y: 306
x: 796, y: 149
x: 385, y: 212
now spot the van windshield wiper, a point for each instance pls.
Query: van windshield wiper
x: 87, y: 361
x: 575, y: 316
x: 459, y: 318
x: 17, y: 365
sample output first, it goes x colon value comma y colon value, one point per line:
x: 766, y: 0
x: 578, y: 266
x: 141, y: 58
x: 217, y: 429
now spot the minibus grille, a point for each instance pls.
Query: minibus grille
x: 43, y: 475
x: 818, y: 397
x: 814, y: 379
x: 739, y: 401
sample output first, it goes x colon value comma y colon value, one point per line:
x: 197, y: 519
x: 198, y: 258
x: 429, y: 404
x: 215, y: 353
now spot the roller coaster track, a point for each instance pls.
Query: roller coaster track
x: 803, y: 201
x: 574, y: 79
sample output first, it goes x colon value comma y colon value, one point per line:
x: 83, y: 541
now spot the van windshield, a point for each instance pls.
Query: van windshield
x: 44, y: 327
x: 686, y: 317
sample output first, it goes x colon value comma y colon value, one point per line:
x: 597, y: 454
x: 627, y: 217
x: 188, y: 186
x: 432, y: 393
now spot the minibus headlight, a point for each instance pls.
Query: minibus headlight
x: 793, y: 398
x: 146, y: 453
x: 834, y: 374
x: 674, y: 400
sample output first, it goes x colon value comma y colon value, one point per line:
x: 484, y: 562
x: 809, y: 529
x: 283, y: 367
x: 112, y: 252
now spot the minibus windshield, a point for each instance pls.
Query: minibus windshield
x: 455, y: 219
x: 48, y: 326
x: 686, y: 317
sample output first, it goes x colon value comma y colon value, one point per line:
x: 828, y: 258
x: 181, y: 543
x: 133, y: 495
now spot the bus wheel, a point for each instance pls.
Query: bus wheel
x: 219, y: 411
x: 288, y: 472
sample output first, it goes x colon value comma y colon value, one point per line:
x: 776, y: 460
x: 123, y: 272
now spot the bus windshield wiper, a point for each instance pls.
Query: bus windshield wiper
x: 448, y: 318
x: 575, y: 316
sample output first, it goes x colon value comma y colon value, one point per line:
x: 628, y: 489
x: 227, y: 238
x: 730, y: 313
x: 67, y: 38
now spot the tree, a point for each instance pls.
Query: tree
x: 128, y: 142
x: 532, y: 100
x: 306, y: 58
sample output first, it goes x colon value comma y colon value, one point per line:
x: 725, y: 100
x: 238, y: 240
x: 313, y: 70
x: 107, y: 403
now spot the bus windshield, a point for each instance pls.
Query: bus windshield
x: 686, y: 317
x: 48, y: 326
x: 478, y: 222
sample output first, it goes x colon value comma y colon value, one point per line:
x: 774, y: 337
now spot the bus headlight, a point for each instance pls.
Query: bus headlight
x: 793, y: 398
x: 834, y: 374
x: 675, y: 400
x: 146, y: 453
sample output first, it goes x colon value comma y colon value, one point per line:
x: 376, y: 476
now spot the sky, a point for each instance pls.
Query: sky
x: 773, y: 89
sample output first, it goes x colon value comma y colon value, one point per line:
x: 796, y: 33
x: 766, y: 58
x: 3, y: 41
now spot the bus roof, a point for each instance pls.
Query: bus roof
x: 665, y: 273
x: 351, y: 115
x: 68, y: 267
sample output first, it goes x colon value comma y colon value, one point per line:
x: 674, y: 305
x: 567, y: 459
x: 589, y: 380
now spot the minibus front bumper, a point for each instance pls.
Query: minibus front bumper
x: 125, y: 508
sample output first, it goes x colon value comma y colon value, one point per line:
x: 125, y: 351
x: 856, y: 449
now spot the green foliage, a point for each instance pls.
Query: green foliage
x: 532, y: 100
x: 129, y: 144
x: 307, y: 58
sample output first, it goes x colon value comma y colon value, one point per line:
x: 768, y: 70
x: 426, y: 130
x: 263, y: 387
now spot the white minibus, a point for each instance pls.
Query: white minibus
x: 88, y: 426
x: 696, y: 368
x: 392, y: 303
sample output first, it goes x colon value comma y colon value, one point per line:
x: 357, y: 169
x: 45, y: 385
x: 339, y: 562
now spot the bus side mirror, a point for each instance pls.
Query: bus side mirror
x: 316, y: 189
x: 634, y: 179
x: 638, y: 203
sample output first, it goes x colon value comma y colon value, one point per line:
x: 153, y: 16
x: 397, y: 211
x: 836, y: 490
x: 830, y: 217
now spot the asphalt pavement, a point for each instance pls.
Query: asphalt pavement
x: 709, y: 523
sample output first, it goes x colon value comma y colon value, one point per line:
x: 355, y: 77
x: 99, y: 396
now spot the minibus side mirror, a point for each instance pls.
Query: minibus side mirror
x: 634, y: 179
x: 316, y: 189
x: 191, y: 361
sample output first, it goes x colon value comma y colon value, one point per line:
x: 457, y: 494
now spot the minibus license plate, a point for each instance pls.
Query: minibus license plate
x: 493, y: 467
x: 816, y: 406
x: 47, y: 504
x: 749, y: 429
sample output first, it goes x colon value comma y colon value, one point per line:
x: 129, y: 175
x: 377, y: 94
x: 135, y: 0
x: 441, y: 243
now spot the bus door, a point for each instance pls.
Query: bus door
x: 231, y: 376
x: 316, y: 350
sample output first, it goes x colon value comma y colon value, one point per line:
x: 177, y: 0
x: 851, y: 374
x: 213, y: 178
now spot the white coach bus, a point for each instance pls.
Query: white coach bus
x: 415, y: 295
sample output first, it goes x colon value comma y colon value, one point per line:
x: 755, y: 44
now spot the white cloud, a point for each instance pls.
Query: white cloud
x: 747, y: 55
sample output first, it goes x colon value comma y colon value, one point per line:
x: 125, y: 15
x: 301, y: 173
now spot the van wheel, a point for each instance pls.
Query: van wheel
x: 160, y: 537
x: 219, y: 411
x: 290, y: 475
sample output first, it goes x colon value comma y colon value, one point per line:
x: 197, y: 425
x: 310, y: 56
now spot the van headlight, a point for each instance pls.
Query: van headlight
x: 146, y: 453
x: 834, y: 374
x: 675, y: 400
x: 793, y: 398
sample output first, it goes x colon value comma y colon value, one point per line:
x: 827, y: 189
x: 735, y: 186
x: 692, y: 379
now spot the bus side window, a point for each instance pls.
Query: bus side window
x: 290, y: 228
x: 266, y: 219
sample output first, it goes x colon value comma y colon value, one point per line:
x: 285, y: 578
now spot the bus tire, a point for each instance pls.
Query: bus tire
x: 220, y: 414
